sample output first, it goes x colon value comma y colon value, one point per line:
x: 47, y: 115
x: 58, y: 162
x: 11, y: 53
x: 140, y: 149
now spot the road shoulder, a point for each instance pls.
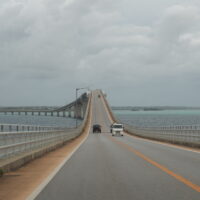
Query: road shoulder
x: 21, y: 183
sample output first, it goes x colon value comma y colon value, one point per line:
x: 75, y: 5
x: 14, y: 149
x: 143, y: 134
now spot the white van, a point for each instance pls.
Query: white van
x: 117, y: 129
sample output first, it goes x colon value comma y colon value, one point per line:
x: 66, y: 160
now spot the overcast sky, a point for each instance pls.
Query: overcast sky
x: 139, y: 52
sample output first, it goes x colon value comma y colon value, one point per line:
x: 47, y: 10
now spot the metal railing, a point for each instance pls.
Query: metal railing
x: 14, y: 143
x: 18, y: 139
x: 22, y: 127
x: 175, y: 127
x: 189, y: 135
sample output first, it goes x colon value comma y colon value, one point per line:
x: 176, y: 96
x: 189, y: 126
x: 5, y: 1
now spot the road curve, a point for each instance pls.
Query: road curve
x: 124, y: 168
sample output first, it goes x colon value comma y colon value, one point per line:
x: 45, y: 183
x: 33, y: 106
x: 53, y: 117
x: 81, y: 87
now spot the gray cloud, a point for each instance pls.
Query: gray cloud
x: 149, y: 52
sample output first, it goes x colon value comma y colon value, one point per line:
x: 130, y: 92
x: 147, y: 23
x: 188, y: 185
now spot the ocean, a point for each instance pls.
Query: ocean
x: 38, y: 120
x: 135, y: 118
x: 159, y: 118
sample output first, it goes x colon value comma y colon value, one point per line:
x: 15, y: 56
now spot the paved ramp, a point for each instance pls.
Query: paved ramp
x: 124, y: 168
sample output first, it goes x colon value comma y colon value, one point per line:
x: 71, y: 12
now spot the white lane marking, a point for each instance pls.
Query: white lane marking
x: 37, y: 191
x: 147, y: 140
x: 165, y: 144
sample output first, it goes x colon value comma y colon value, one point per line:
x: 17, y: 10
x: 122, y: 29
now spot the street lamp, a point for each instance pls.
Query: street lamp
x: 77, y: 89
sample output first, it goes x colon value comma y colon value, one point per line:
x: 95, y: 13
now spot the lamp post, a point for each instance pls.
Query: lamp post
x: 77, y: 89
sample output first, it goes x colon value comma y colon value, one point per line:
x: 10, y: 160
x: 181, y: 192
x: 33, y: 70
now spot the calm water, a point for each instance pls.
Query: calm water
x: 38, y: 120
x: 159, y: 118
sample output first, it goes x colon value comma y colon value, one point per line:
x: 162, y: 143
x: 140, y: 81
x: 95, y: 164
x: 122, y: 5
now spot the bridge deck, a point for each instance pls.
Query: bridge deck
x: 107, y: 168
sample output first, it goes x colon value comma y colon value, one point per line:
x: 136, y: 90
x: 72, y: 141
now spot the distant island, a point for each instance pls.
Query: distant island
x: 153, y: 108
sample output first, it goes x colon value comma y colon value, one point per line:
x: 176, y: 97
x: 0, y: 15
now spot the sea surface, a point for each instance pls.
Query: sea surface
x: 38, y: 120
x: 135, y: 118
x: 159, y: 118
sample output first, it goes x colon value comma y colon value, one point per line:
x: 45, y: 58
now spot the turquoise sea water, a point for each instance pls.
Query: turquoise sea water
x: 159, y: 118
x: 38, y: 120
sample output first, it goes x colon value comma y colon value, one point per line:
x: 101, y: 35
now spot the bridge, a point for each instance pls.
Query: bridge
x: 76, y: 108
x: 102, y: 167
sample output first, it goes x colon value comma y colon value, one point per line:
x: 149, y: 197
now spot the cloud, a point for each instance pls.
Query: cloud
x: 48, y: 45
x: 178, y: 19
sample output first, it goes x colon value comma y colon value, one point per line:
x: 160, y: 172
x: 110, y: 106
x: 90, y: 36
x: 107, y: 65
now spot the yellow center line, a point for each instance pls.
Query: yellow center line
x: 161, y: 167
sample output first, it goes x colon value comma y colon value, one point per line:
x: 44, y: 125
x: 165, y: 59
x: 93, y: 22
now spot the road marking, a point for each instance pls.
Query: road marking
x: 38, y: 190
x: 162, y: 143
x: 161, y: 167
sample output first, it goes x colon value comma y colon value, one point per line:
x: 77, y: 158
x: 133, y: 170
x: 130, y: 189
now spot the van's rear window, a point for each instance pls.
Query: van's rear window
x: 117, y: 126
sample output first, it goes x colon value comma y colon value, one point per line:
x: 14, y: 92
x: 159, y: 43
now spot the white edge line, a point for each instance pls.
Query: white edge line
x: 144, y: 139
x: 37, y: 191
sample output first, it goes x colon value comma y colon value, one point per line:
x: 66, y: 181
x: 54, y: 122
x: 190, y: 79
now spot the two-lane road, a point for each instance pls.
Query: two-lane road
x: 124, y: 168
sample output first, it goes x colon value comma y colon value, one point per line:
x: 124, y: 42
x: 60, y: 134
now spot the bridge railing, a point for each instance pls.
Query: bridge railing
x: 16, y: 138
x: 20, y: 139
x: 23, y: 127
x: 169, y: 128
x: 14, y: 143
x: 189, y: 135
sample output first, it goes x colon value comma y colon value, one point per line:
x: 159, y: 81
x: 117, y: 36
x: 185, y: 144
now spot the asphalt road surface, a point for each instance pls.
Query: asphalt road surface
x: 124, y: 168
